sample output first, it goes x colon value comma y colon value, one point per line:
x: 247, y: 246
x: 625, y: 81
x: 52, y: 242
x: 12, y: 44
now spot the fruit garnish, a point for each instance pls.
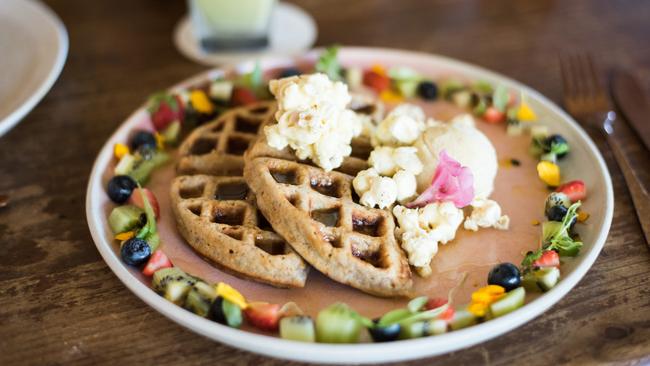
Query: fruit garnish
x: 338, y: 323
x: 164, y: 109
x: 125, y: 218
x: 173, y: 284
x: 451, y: 182
x: 427, y: 90
x: 375, y: 81
x: 549, y: 258
x: 435, y: 302
x: 157, y: 261
x: 148, y: 232
x: 263, y: 315
x: 225, y: 312
x: 136, y: 200
x: 120, y: 188
x: 298, y: 328
x: 493, y: 115
x: 143, y: 168
x: 575, y: 190
x: 200, y: 298
x: 582, y: 216
x: 556, y: 199
x: 290, y: 309
x: 511, y: 301
x: 506, y: 275
x: 242, y: 96
x: 500, y: 99
x: 549, y: 173
x: 328, y: 63
x: 229, y: 293
x: 160, y: 141
x: 556, y: 144
x: 417, y: 304
x: 119, y: 150
x: 142, y: 138
x: 200, y: 102
x: 135, y: 252
x: 389, y: 96
x: 384, y: 333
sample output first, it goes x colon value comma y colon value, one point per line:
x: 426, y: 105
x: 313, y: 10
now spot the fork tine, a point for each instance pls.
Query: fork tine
x: 567, y: 80
x: 597, y: 81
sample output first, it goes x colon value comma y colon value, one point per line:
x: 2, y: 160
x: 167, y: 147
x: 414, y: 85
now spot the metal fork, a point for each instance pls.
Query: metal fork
x: 586, y: 99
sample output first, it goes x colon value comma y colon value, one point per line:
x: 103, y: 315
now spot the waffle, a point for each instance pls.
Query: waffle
x: 217, y: 148
x: 316, y: 213
x: 219, y: 219
x: 215, y: 210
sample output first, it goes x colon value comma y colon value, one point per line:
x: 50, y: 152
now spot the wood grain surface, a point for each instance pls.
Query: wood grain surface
x: 59, y: 302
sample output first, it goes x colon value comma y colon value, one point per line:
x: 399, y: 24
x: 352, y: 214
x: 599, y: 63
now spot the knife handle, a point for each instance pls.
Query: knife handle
x: 640, y: 197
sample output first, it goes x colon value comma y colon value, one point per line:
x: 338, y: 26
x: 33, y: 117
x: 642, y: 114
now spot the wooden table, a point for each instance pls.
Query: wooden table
x: 59, y: 302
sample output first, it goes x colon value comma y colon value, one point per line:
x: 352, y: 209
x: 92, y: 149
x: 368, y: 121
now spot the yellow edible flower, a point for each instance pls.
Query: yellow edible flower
x: 119, y: 150
x: 201, y: 102
x: 160, y: 141
x: 125, y: 235
x: 483, y: 298
x: 582, y: 216
x: 525, y: 113
x: 549, y: 173
x: 227, y: 292
x: 390, y: 96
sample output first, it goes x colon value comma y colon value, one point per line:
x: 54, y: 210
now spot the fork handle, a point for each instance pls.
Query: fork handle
x: 640, y: 197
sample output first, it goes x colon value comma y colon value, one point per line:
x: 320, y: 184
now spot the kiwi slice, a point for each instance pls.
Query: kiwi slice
x: 547, y: 278
x: 298, y: 328
x: 125, y: 165
x: 173, y: 284
x: 171, y: 133
x: 511, y: 301
x: 124, y: 218
x: 141, y: 172
x: 413, y: 330
x: 338, y: 323
x: 199, y: 298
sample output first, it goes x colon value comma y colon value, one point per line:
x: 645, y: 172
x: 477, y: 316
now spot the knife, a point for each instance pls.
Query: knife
x: 633, y: 102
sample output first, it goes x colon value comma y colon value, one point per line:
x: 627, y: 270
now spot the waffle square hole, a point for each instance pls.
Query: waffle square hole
x: 246, y: 125
x: 203, y: 146
x: 195, y: 209
x: 237, y: 146
x: 259, y: 110
x: 328, y: 217
x: 367, y: 253
x: 263, y: 223
x: 285, y: 177
x: 237, y: 235
x: 370, y: 226
x: 229, y: 215
x: 271, y: 246
x: 231, y: 191
x: 334, y: 241
x: 217, y: 128
x: 326, y: 186
x: 193, y: 191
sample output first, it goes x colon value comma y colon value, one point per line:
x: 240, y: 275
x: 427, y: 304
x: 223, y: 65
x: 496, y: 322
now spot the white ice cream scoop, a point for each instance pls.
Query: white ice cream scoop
x: 463, y: 142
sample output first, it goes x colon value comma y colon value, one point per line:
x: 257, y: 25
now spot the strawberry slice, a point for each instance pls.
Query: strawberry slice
x: 136, y: 200
x: 434, y: 303
x: 242, y: 96
x: 447, y: 315
x: 493, y: 115
x: 164, y: 109
x: 158, y: 260
x: 263, y: 315
x: 376, y: 81
x: 549, y: 258
x: 575, y: 190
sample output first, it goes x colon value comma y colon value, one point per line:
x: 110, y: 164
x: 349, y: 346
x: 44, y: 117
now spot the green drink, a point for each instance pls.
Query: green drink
x: 231, y: 24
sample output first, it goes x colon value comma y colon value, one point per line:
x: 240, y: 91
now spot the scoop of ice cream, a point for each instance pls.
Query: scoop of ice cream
x: 463, y: 142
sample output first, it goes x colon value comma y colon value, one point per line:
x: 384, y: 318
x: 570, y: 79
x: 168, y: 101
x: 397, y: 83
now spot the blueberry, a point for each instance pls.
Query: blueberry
x: 386, y: 333
x: 143, y: 138
x: 556, y: 213
x: 120, y: 188
x: 135, y: 252
x: 290, y: 71
x: 505, y: 275
x: 428, y: 90
x: 556, y: 144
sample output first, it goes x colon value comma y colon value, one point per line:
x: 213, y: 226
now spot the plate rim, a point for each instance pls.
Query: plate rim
x: 363, y: 352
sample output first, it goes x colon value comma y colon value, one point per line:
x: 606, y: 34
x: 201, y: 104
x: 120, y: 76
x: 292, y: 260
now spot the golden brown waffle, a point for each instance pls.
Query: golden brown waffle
x: 315, y: 212
x: 217, y: 148
x: 218, y: 217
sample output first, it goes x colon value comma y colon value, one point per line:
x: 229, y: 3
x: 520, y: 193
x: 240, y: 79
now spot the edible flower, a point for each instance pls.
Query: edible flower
x: 160, y: 141
x: 525, y: 113
x: 389, y: 96
x: 229, y: 293
x: 483, y: 298
x: 451, y: 182
x: 549, y: 173
x: 200, y: 102
x: 125, y: 235
x: 119, y: 150
x: 378, y: 69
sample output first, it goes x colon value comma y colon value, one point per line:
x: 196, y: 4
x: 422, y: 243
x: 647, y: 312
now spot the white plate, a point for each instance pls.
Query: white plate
x: 33, y: 48
x: 585, y: 162
x: 292, y: 32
